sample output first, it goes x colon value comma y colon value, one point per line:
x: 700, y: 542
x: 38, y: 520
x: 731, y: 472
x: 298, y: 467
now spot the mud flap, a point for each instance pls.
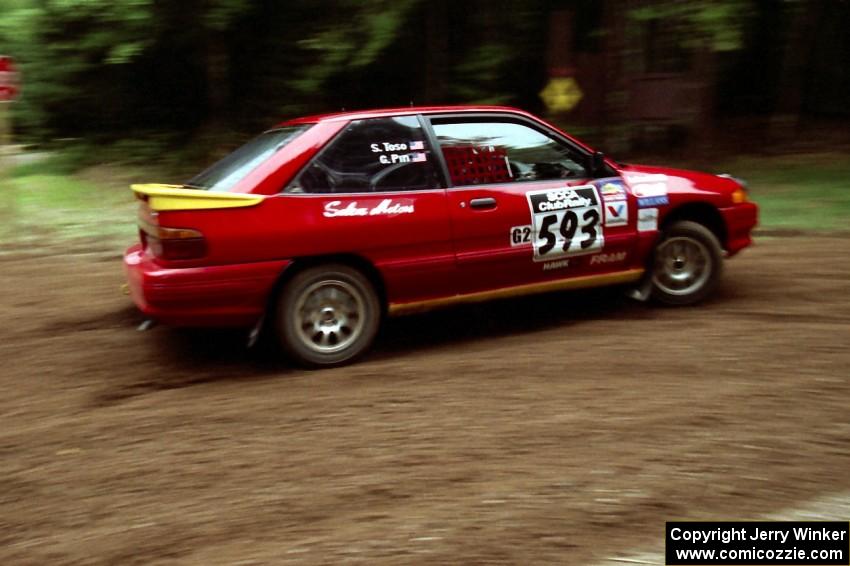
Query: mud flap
x: 254, y: 334
x: 642, y: 290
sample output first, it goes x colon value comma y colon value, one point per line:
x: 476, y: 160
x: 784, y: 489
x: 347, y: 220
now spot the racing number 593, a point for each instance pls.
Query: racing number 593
x: 567, y: 229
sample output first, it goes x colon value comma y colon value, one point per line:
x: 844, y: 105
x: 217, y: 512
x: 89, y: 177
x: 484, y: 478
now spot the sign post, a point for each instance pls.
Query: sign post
x: 562, y: 93
x: 8, y: 92
x: 5, y: 126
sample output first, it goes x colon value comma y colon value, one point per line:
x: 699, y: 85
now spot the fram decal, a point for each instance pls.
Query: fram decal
x: 616, y: 213
x: 607, y: 258
x: 647, y: 219
x: 653, y: 201
x: 385, y: 207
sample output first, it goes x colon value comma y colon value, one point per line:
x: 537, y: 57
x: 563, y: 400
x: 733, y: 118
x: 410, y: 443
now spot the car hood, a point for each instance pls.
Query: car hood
x: 683, y: 180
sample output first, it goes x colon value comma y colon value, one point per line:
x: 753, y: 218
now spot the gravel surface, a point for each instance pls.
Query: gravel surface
x: 563, y: 429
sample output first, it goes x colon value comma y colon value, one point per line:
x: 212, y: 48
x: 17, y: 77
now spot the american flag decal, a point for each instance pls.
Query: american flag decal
x: 414, y: 145
x: 417, y: 157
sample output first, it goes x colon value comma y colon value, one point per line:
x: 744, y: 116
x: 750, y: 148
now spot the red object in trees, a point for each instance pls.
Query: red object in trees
x: 8, y: 79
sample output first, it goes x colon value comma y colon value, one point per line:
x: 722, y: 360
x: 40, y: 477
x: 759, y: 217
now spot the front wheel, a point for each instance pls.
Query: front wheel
x: 687, y: 264
x: 327, y: 315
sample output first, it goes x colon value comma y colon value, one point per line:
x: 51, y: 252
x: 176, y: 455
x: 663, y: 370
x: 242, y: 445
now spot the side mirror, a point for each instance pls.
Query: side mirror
x: 597, y: 164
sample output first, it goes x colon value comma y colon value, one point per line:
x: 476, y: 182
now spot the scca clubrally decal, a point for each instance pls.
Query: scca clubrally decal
x: 565, y: 222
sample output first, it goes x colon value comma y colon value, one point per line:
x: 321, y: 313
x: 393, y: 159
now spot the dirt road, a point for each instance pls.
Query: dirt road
x: 560, y: 429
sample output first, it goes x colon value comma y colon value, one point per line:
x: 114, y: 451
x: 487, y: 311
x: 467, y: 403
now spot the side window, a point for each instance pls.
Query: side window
x: 489, y: 151
x: 379, y: 154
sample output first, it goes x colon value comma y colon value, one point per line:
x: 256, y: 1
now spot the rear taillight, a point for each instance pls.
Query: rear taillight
x: 172, y: 243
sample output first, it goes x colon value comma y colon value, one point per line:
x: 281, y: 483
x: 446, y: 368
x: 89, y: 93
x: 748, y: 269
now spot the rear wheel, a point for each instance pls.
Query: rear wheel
x: 327, y: 315
x: 687, y: 264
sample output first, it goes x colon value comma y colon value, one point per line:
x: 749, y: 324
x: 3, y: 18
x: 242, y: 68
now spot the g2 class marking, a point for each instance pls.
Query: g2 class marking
x: 521, y: 235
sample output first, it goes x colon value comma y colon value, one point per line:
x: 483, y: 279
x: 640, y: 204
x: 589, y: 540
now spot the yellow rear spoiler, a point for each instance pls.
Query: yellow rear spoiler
x: 175, y: 197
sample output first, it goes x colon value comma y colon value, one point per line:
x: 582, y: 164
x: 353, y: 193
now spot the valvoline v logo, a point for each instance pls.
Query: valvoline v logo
x: 616, y: 213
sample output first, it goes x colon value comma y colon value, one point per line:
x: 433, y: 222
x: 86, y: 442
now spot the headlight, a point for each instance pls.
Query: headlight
x: 740, y: 194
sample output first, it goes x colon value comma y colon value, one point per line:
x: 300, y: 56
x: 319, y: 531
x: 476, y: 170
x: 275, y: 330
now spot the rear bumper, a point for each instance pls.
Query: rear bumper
x: 224, y: 295
x: 740, y: 220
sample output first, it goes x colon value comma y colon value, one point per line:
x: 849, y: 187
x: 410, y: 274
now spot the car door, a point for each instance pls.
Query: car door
x: 374, y: 191
x: 523, y: 206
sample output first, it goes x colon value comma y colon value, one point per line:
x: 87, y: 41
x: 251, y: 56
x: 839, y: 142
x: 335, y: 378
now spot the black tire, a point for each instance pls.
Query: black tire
x: 687, y: 264
x: 327, y: 315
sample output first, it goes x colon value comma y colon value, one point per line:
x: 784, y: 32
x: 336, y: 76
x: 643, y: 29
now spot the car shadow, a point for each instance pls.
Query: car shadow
x: 175, y: 358
x: 184, y: 357
x: 222, y: 351
x: 482, y: 321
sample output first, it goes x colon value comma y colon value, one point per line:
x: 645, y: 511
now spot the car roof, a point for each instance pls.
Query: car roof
x: 400, y: 111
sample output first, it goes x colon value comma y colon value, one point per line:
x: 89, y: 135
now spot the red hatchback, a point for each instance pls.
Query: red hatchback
x: 321, y: 226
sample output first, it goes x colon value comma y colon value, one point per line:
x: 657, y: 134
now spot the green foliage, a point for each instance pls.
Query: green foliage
x: 715, y: 22
x: 113, y: 32
x: 110, y: 69
x: 85, y: 63
x: 221, y: 14
x: 480, y: 72
x: 353, y: 40
x: 58, y: 42
x: 503, y: 46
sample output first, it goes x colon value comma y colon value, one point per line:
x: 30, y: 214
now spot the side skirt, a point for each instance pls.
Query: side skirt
x: 617, y: 278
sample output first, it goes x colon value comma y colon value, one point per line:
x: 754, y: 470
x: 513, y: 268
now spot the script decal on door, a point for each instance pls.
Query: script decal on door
x: 565, y: 222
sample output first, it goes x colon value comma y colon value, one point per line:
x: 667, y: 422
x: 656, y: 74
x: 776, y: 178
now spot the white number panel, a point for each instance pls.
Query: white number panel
x: 565, y: 222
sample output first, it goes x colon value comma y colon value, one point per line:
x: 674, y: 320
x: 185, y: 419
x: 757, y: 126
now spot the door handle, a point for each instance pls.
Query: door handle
x: 480, y: 203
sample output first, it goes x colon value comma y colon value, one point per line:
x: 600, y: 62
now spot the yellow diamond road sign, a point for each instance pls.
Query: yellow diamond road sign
x: 561, y: 94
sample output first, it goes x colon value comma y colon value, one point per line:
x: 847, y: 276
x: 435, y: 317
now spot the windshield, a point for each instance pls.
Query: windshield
x: 224, y: 174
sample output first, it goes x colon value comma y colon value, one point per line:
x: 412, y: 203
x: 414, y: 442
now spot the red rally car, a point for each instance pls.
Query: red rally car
x: 321, y: 226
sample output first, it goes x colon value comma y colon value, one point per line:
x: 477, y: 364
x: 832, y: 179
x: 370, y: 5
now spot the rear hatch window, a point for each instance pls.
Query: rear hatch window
x: 226, y: 173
